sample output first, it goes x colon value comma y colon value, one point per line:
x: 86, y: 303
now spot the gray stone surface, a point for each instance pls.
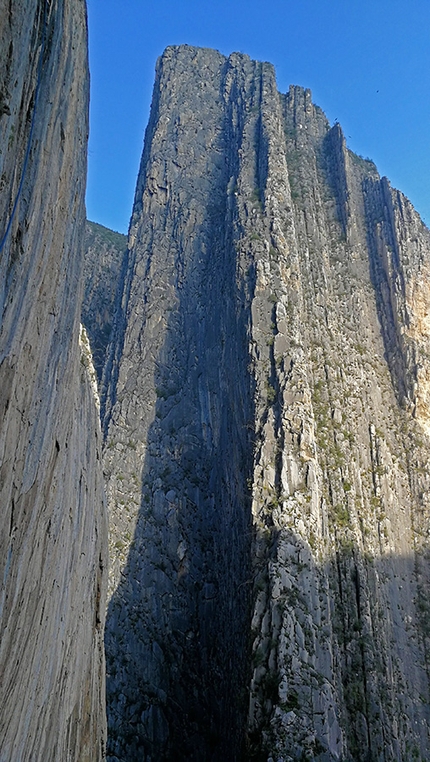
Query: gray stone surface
x: 103, y: 256
x: 265, y: 409
x: 53, y: 532
x: 178, y: 447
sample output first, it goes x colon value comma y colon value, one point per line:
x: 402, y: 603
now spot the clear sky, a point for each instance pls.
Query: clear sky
x: 367, y: 63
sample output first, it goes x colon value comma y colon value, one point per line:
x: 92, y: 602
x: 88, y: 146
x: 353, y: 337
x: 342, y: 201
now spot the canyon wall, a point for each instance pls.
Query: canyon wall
x: 53, y: 538
x: 103, y: 256
x: 265, y: 415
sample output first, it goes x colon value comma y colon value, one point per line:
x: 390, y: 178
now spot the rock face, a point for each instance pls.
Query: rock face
x: 179, y: 449
x: 104, y: 253
x: 53, y: 534
x: 266, y: 420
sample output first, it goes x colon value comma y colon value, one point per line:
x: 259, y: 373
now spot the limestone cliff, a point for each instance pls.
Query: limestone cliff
x: 265, y: 410
x: 103, y: 255
x: 53, y: 527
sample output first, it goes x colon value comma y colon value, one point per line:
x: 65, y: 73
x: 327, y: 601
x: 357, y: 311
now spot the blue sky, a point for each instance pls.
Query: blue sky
x: 367, y: 63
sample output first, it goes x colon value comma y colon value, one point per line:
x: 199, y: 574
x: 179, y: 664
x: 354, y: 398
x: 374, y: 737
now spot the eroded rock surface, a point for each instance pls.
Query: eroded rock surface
x: 265, y: 410
x: 53, y: 535
x: 104, y: 253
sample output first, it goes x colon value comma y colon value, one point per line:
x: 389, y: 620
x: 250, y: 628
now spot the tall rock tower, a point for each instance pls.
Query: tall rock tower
x: 53, y: 536
x: 266, y: 422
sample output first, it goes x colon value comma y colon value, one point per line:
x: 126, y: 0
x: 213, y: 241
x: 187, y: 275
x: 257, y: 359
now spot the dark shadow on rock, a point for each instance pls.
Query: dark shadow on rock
x: 388, y: 281
x: 103, y: 254
x: 177, y: 626
x: 177, y: 633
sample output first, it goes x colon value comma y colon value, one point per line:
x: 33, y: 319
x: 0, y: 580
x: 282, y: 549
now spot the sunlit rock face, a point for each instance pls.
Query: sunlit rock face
x: 265, y: 411
x: 53, y: 535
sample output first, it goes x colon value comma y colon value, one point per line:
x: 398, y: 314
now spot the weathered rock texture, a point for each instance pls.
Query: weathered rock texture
x: 266, y: 421
x: 53, y: 527
x: 104, y: 253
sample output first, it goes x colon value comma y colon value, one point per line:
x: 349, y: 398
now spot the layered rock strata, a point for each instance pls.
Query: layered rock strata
x: 53, y: 538
x: 265, y: 411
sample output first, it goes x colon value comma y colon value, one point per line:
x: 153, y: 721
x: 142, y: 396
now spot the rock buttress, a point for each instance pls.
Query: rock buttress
x: 265, y: 415
x: 53, y: 525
